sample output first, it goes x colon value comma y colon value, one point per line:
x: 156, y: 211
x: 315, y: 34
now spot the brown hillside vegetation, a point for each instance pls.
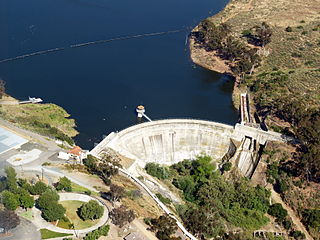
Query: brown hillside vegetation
x: 296, y: 52
x: 284, y: 87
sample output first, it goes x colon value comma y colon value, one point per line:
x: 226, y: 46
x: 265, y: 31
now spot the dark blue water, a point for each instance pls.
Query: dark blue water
x: 100, y: 85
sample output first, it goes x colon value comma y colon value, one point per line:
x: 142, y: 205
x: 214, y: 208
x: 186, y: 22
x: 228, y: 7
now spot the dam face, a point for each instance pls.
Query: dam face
x: 169, y: 141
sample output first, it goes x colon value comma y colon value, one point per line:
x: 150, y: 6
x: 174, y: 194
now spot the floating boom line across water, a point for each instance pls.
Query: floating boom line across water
x: 92, y: 43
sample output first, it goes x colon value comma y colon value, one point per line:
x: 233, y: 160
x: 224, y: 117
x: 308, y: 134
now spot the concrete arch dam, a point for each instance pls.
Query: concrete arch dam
x: 169, y: 141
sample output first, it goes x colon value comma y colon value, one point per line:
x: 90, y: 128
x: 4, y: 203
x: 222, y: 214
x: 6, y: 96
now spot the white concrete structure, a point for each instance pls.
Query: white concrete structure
x: 173, y: 140
x: 169, y: 141
x: 24, y: 158
x: 63, y: 155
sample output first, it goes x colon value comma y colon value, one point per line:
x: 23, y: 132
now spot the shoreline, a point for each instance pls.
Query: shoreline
x: 47, y: 119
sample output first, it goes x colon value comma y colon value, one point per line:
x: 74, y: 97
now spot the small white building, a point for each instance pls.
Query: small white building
x: 63, y: 155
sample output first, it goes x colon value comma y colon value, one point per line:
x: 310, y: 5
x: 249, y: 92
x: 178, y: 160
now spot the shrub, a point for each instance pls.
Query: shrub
x: 311, y: 217
x: 101, y: 231
x: 286, y: 224
x: 289, y: 29
x: 87, y: 192
x: 64, y: 184
x: 281, y: 186
x: 163, y: 199
x: 157, y: 171
x: 147, y: 221
x: 226, y: 167
x: 297, y: 235
x: 278, y: 211
x: 296, y: 55
x: 246, y: 33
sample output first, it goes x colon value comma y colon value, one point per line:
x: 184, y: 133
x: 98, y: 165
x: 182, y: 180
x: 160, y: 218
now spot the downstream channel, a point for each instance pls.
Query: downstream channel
x: 101, y: 84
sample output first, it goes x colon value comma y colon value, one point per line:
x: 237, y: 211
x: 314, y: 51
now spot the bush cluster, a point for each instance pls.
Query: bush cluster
x: 157, y: 171
x: 213, y: 201
x: 48, y: 204
x: 95, y: 234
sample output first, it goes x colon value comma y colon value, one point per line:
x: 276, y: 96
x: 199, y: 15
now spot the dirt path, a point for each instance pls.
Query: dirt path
x: 296, y: 221
x: 142, y: 229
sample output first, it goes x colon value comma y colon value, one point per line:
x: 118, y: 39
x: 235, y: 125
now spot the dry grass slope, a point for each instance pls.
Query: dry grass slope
x: 296, y: 52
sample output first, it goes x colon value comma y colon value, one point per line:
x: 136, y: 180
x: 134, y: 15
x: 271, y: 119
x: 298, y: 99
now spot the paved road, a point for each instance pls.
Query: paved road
x: 25, y: 231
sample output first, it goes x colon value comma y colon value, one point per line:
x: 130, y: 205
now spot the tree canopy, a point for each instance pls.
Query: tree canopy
x: 121, y: 216
x: 91, y: 210
x: 64, y: 184
x: 213, y: 202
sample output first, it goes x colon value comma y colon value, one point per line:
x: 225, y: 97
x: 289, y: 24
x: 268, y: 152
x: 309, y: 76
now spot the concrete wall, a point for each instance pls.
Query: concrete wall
x: 170, y: 141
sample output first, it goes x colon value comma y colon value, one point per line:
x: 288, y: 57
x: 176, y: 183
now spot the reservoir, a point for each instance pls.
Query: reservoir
x: 101, y: 84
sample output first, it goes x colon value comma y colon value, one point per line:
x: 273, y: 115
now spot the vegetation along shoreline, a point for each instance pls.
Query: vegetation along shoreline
x: 272, y: 49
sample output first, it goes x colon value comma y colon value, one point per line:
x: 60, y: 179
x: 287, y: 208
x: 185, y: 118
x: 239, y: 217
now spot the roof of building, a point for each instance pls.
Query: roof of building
x: 76, y: 151
x: 9, y: 140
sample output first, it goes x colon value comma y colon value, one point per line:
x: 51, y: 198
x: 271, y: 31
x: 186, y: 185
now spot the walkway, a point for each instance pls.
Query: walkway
x: 41, y: 223
x: 296, y: 221
x: 156, y: 199
x: 59, y: 174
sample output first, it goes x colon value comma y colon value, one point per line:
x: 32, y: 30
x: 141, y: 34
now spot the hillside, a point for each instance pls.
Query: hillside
x: 282, y: 77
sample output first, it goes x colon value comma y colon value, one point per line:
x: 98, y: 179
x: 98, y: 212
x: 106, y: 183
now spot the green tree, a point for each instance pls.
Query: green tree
x: 157, y: 171
x: 263, y: 34
x: 47, y: 198
x: 164, y: 227
x: 311, y: 218
x: 64, y: 184
x: 278, y: 211
x: 11, y: 178
x: 91, y: 163
x: 91, y: 210
x: 25, y: 200
x: 53, y: 212
x: 10, y: 200
x: 38, y: 188
x: 226, y: 167
x: 297, y: 235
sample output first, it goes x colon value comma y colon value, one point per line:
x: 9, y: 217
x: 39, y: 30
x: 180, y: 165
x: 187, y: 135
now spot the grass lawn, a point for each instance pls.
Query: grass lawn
x: 71, y: 212
x: 46, y: 234
x: 77, y: 188
x: 64, y: 224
